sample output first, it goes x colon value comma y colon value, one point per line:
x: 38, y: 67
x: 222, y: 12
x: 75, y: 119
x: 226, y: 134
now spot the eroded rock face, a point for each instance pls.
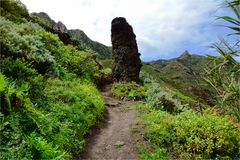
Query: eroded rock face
x: 56, y: 28
x: 60, y: 27
x: 126, y: 59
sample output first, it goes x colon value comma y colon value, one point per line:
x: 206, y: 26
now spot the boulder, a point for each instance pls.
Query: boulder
x: 126, y: 58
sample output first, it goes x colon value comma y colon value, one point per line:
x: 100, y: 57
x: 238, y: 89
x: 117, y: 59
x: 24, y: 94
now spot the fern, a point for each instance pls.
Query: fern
x: 4, y: 98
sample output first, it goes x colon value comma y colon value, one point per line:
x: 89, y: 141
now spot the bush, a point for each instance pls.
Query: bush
x: 131, y: 90
x: 73, y: 108
x: 55, y: 128
x: 16, y: 41
x: 160, y: 154
x: 14, y: 10
x: 103, y: 77
x: 79, y: 62
x: 159, y: 99
x: 204, y: 136
x: 44, y: 149
x: 12, y: 97
x: 48, y: 100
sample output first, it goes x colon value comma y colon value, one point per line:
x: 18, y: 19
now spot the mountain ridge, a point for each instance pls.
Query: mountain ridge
x: 184, y: 73
x: 74, y: 37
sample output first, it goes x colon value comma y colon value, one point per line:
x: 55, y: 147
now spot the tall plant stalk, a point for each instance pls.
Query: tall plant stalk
x: 224, y: 76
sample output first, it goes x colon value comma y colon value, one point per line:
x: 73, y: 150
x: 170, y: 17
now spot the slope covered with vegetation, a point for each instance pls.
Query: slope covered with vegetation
x: 85, y: 42
x: 75, y: 37
x: 48, y: 96
x: 185, y: 73
x: 177, y: 124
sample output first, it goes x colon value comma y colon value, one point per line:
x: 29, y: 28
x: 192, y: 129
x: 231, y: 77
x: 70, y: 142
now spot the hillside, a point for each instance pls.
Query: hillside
x: 60, y: 99
x: 48, y: 96
x: 185, y: 73
x: 85, y: 42
x: 74, y: 37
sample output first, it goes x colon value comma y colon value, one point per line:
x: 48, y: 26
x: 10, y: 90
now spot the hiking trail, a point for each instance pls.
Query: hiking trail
x: 114, y: 138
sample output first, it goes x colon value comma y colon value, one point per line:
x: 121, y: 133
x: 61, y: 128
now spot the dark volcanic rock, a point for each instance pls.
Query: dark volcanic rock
x: 126, y: 59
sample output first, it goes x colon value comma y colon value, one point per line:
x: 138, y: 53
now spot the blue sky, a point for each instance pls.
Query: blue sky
x: 164, y: 28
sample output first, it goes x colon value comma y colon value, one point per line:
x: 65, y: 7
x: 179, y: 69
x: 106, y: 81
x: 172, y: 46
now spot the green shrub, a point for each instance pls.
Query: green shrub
x: 17, y: 42
x: 13, y: 144
x: 131, y: 90
x: 204, y: 136
x: 103, y: 77
x: 160, y: 153
x: 48, y: 100
x: 13, y: 97
x: 159, y: 99
x: 18, y: 69
x: 78, y: 62
x: 44, y: 149
x: 14, y: 10
x: 59, y: 124
x: 75, y: 106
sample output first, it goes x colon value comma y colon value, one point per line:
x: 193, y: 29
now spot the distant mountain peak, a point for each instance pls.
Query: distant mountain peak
x: 185, y: 55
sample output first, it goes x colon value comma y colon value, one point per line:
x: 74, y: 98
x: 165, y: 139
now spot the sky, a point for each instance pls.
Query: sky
x: 164, y: 28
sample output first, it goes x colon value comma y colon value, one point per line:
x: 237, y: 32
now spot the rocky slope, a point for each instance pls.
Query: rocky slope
x: 74, y: 37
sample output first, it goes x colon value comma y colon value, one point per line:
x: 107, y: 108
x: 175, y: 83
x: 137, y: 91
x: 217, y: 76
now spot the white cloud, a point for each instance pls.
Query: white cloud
x: 161, y: 26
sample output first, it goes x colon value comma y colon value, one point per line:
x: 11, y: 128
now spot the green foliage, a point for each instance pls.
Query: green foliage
x: 198, y: 136
x: 43, y: 49
x: 224, y: 77
x: 71, y: 108
x: 150, y: 75
x: 18, y: 69
x: 159, y: 153
x: 103, y: 77
x: 14, y: 10
x: 75, y: 107
x: 160, y: 99
x: 17, y: 41
x: 45, y: 150
x: 234, y: 22
x: 183, y: 75
x: 13, y: 144
x: 48, y: 100
x: 86, y: 43
x: 106, y: 63
x: 131, y: 90
x: 78, y: 62
x: 12, y: 96
x: 4, y: 97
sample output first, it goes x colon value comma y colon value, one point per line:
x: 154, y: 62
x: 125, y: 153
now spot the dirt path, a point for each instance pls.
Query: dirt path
x: 114, y: 139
